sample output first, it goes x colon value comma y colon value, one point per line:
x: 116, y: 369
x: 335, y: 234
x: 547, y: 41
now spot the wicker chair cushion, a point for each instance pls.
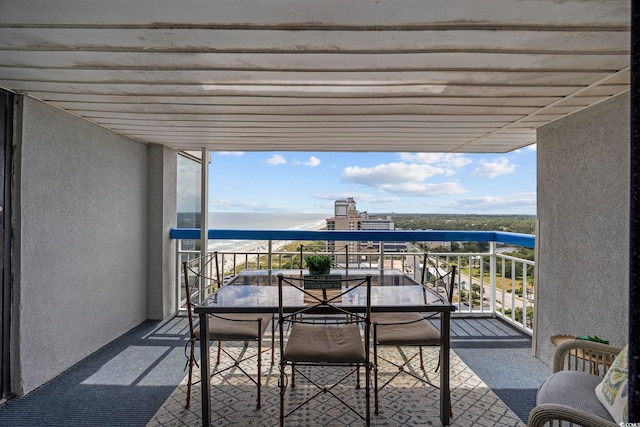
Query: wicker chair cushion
x: 325, y: 344
x: 574, y: 389
x: 393, y: 329
x: 235, y: 327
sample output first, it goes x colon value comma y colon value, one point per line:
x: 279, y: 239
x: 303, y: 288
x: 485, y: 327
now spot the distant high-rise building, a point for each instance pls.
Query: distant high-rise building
x: 344, y: 208
x: 347, y: 217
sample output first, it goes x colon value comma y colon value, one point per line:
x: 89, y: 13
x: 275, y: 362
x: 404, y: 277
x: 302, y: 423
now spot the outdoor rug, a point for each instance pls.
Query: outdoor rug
x: 405, y: 402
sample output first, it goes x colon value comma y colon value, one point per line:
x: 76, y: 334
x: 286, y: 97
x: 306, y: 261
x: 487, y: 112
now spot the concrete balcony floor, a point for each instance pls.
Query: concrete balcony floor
x: 135, y: 381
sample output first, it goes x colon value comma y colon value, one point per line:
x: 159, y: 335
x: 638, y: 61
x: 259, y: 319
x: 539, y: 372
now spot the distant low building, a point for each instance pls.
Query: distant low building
x: 438, y: 245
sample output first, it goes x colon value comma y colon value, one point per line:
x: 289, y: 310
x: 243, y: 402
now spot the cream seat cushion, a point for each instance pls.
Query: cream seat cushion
x: 325, y: 344
x: 236, y: 327
x: 404, y: 329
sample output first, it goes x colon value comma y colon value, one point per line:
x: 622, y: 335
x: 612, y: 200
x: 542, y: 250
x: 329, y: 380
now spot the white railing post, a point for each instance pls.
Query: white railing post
x: 525, y: 296
x: 492, y: 278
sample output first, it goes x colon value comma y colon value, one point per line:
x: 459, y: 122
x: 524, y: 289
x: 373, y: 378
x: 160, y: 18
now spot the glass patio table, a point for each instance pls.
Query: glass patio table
x: 256, y: 291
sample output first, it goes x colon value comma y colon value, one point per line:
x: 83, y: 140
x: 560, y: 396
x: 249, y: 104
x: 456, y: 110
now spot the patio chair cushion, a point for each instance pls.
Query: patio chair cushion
x: 325, y: 344
x: 235, y: 327
x: 404, y: 329
x: 613, y: 390
x: 574, y: 389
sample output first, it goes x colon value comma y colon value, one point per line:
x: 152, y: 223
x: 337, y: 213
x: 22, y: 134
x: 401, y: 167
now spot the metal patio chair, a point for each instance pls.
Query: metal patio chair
x: 342, y: 343
x: 202, y: 278
x: 409, y: 329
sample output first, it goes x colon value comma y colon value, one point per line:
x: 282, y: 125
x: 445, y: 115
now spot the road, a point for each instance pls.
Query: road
x: 508, y: 303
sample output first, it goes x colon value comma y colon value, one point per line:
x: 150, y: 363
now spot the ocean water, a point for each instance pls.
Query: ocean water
x: 267, y: 221
x: 260, y: 221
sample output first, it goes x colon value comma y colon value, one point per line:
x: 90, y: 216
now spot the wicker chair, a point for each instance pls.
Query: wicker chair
x: 568, y: 396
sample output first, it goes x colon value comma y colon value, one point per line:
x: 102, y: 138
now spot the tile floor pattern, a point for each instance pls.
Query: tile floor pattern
x: 405, y: 402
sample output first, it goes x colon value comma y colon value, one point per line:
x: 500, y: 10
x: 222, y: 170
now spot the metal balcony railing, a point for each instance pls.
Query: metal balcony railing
x: 485, y: 283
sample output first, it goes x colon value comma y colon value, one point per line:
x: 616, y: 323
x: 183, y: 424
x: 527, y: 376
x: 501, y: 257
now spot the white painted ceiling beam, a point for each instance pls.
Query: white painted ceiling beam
x: 366, y: 75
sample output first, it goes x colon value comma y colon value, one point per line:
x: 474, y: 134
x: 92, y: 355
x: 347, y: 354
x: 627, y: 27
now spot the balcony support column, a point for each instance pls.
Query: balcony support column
x: 204, y: 203
x: 492, y: 278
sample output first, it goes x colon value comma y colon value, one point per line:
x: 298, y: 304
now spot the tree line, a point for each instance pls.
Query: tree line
x: 509, y: 223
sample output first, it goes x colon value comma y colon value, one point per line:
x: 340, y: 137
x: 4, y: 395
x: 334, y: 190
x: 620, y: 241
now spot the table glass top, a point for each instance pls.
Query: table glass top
x: 259, y: 289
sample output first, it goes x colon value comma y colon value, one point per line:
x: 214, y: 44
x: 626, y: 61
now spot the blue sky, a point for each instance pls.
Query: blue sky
x: 379, y: 182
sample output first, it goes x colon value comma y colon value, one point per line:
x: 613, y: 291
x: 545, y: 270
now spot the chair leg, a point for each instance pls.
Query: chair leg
x: 375, y: 378
x: 219, y: 350
x: 192, y: 358
x: 259, y: 369
x: 282, y: 385
x: 273, y: 340
x: 367, y: 392
x: 421, y: 359
x: 293, y: 375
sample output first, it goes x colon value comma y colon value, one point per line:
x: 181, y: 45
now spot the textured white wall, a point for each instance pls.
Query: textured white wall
x: 80, y: 240
x: 161, y: 289
x: 583, y: 210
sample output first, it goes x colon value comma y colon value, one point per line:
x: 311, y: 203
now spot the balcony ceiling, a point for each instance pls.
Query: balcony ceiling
x: 294, y: 75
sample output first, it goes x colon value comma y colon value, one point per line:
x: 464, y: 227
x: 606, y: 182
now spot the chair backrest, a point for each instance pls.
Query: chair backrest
x: 353, y: 291
x: 321, y: 300
x: 201, y: 278
x: 447, y: 280
x: 452, y: 281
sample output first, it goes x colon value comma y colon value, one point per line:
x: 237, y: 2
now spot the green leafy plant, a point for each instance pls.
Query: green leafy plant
x: 318, y: 264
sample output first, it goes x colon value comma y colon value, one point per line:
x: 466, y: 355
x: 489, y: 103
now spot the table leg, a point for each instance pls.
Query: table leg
x: 205, y: 380
x: 445, y: 392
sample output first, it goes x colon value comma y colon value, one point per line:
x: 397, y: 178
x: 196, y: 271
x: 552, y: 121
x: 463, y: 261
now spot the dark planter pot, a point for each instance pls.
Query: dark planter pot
x: 322, y: 281
x: 319, y: 272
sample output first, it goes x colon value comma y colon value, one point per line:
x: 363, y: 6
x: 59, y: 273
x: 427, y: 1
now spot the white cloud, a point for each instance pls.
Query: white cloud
x: 230, y: 153
x: 497, y: 167
x: 532, y: 147
x: 522, y: 202
x: 276, y: 159
x: 359, y: 197
x: 312, y: 162
x: 403, y: 178
x: 425, y: 189
x: 452, y: 160
x: 390, y: 173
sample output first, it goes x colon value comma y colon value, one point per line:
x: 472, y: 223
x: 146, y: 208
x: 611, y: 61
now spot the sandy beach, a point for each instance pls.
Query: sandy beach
x: 243, y: 253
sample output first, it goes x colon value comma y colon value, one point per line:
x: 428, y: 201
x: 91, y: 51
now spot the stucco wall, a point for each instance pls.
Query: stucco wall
x: 161, y: 289
x: 583, y: 213
x: 81, y: 240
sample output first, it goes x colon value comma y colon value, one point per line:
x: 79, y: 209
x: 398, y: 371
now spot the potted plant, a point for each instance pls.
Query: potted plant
x: 318, y: 264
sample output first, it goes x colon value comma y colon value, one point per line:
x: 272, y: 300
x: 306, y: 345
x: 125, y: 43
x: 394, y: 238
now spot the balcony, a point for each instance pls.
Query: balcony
x: 138, y: 378
x: 486, y: 283
x: 94, y: 197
